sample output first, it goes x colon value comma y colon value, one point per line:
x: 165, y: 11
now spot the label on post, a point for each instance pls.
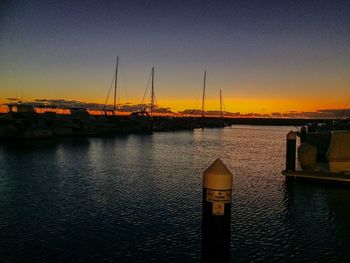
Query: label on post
x: 218, y: 209
x: 215, y: 196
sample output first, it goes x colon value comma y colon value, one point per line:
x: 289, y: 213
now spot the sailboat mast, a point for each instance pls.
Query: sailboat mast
x: 203, y: 98
x: 220, y: 104
x: 152, y: 93
x: 115, y: 85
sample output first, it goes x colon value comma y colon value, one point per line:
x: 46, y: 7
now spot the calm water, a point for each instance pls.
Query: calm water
x: 137, y: 198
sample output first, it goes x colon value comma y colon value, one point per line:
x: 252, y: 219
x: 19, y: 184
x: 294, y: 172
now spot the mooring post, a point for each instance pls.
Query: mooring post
x: 291, y: 151
x: 302, y: 134
x: 216, y: 216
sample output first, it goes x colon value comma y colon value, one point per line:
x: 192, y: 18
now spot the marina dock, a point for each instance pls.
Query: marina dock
x: 318, y: 176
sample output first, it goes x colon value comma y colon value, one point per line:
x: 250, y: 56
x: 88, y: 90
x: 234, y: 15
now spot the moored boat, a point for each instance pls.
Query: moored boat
x: 23, y: 122
x: 323, y: 155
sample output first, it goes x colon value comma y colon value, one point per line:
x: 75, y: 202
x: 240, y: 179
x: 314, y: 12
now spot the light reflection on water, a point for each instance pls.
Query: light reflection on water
x: 137, y: 198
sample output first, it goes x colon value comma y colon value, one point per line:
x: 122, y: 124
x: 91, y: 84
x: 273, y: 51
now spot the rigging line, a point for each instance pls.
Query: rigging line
x: 147, y: 86
x: 117, y: 88
x: 118, y: 97
x: 220, y: 103
x: 122, y: 91
x: 115, y: 85
x: 109, y: 91
x: 154, y: 94
x: 203, y: 98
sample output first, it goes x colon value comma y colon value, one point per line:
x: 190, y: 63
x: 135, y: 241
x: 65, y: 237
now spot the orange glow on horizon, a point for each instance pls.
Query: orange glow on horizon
x: 242, y: 105
x: 261, y: 106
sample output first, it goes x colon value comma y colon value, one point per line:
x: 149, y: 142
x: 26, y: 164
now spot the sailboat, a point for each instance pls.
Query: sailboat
x: 203, y: 96
x: 106, y: 111
x: 221, y: 118
x: 142, y: 118
x: 210, y: 122
x: 203, y: 121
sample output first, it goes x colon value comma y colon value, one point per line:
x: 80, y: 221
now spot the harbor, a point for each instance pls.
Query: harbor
x: 126, y: 198
x: 174, y: 131
x: 28, y: 121
x: 42, y: 121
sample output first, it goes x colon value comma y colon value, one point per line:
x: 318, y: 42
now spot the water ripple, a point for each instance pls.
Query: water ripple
x: 137, y: 198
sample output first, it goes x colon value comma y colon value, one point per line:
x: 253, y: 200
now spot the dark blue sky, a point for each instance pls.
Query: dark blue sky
x: 251, y: 49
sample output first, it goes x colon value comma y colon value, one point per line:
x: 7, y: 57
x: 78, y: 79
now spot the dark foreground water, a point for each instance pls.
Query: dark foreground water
x: 137, y: 198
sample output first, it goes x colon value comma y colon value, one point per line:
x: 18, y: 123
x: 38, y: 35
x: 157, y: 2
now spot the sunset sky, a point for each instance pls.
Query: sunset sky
x: 265, y: 56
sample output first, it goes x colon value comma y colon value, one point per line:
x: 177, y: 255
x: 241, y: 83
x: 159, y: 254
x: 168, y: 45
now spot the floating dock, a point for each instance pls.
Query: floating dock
x: 318, y: 176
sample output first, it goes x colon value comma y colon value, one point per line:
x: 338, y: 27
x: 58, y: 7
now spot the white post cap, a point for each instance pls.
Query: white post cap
x: 292, y: 135
x: 217, y: 176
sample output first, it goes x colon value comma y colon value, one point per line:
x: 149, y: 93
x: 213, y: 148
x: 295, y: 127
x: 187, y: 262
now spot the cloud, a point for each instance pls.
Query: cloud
x: 319, y: 114
x: 225, y: 113
x: 66, y: 104
x: 340, y: 113
x: 276, y: 114
x: 13, y: 99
